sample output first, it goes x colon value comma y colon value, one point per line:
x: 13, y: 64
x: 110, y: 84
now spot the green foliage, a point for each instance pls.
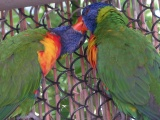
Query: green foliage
x: 75, y: 5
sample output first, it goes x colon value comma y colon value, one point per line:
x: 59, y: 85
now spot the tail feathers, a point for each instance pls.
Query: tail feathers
x: 148, y: 114
x: 150, y: 111
x: 6, y: 111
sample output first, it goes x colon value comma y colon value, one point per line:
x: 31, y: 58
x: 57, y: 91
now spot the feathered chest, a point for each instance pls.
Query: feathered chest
x: 92, y: 51
x: 47, y: 58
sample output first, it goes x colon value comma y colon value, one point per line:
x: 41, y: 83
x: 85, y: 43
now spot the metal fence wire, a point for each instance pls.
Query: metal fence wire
x: 72, y: 90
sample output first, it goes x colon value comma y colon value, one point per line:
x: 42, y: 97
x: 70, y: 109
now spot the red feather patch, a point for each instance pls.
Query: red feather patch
x: 48, y: 57
x: 92, y: 51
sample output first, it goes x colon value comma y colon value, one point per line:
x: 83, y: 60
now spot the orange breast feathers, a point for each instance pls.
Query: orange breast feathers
x: 92, y: 52
x: 52, y: 49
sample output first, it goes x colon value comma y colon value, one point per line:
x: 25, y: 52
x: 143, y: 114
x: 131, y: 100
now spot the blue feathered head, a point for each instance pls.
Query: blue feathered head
x: 88, y: 18
x: 90, y: 13
x: 71, y: 39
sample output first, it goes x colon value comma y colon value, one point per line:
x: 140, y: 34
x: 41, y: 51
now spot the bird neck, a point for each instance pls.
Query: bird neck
x: 52, y: 49
x: 111, y: 16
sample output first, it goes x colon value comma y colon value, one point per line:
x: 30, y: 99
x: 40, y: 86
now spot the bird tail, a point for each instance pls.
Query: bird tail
x: 6, y: 111
x: 151, y: 111
x: 147, y: 114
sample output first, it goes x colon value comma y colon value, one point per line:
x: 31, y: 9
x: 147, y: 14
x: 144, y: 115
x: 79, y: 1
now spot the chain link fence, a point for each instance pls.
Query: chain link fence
x: 72, y: 90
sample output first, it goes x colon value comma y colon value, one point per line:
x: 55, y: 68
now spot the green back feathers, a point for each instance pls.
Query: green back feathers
x: 128, y: 65
x: 7, y: 110
x: 20, y: 72
x: 24, y: 38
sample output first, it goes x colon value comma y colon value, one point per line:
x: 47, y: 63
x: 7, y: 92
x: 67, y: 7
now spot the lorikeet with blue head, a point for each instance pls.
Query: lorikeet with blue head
x: 25, y: 59
x: 127, y: 62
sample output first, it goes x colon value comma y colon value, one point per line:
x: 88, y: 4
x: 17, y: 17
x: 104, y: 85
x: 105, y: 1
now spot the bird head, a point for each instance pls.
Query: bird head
x: 57, y: 42
x: 70, y: 39
x: 89, y: 17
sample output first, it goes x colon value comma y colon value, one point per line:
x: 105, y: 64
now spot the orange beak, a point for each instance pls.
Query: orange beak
x: 80, y: 25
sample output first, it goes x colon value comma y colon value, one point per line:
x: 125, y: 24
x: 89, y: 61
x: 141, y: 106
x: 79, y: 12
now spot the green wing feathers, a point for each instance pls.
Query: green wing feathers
x: 20, y: 72
x: 7, y: 110
x: 129, y: 66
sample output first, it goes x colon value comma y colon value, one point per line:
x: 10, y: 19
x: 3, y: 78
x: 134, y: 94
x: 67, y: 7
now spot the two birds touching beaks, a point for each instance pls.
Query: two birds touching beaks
x: 127, y: 63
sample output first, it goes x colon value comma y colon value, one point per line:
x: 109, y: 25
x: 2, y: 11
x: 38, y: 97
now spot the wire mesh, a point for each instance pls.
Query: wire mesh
x: 73, y: 90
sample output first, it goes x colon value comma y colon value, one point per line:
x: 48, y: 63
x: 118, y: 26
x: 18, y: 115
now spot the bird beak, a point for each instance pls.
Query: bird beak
x: 80, y: 25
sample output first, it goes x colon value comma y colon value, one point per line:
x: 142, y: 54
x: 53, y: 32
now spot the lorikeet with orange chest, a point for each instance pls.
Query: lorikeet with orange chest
x: 127, y: 63
x: 24, y: 59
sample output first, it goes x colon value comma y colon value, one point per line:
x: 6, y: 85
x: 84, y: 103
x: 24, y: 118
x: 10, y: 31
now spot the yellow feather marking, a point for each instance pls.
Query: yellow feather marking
x: 133, y: 109
x: 109, y: 30
x: 122, y: 28
x: 92, y: 52
x: 48, y: 57
x: 103, y: 12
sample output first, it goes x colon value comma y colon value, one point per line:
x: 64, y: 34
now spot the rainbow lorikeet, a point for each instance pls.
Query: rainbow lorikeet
x: 127, y: 62
x: 25, y: 59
